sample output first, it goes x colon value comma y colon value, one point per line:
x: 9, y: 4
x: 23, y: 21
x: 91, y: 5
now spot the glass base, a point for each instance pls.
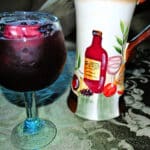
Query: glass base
x: 33, y: 134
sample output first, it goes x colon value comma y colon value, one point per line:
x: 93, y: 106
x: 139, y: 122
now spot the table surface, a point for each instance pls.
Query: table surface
x: 128, y: 132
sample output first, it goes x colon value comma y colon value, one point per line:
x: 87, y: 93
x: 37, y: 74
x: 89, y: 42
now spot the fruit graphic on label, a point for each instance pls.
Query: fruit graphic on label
x: 75, y: 82
x: 110, y: 89
x: 95, y: 65
x: 86, y: 92
x: 79, y: 86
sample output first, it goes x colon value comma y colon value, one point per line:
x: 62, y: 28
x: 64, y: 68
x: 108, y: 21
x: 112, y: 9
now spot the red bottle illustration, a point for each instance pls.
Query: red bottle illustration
x: 95, y: 65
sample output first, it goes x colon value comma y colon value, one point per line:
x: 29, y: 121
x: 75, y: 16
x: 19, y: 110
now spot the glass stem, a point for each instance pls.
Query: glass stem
x: 32, y: 124
x: 30, y: 104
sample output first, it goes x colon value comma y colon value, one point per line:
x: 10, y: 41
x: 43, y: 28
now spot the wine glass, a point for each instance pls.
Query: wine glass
x: 32, y: 56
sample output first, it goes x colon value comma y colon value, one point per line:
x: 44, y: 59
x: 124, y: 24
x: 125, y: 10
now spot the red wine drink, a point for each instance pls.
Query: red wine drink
x: 32, y: 56
x: 33, y: 59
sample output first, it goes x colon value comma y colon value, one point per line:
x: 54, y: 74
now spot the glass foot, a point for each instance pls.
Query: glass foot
x: 33, y: 134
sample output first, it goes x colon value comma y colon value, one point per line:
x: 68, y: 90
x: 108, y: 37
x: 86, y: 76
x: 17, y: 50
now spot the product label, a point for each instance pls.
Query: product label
x: 92, y: 69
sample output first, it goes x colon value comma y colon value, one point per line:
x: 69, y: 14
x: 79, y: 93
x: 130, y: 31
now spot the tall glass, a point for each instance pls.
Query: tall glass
x: 102, y: 54
x: 32, y: 55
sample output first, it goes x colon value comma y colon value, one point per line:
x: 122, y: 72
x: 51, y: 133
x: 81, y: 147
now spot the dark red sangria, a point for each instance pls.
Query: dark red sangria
x: 32, y: 55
